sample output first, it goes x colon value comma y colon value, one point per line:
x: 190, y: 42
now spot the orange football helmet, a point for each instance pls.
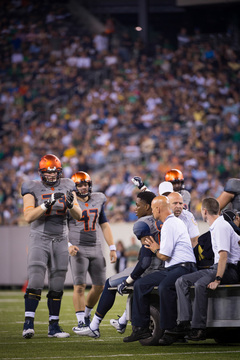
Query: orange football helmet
x: 49, y: 164
x: 80, y: 177
x: 175, y: 176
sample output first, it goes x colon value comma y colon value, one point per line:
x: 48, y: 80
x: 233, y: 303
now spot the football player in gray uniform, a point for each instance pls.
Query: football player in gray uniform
x: 175, y: 176
x: 231, y: 195
x: 85, y: 247
x: 45, y: 205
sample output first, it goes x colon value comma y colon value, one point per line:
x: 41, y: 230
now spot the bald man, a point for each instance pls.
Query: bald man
x: 177, y: 207
x: 176, y: 250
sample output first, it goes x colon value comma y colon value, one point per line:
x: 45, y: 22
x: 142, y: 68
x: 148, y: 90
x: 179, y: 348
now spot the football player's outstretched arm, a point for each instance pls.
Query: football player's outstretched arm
x: 224, y: 199
x: 137, y: 181
x: 108, y: 236
x: 75, y: 210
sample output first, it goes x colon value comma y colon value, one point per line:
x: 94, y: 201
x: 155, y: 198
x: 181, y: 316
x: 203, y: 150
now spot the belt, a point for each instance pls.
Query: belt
x: 183, y: 264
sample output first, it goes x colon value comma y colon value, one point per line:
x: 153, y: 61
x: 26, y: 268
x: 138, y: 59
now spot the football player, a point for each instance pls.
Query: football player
x: 45, y: 205
x: 175, y: 176
x: 148, y: 262
x: 85, y: 247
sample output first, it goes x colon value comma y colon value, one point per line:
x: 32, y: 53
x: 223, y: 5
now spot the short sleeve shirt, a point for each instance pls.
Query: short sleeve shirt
x: 190, y: 222
x: 224, y: 238
x: 175, y: 242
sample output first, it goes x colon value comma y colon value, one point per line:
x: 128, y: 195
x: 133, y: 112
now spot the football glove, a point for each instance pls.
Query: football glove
x: 69, y: 199
x: 121, y: 287
x: 50, y: 202
x: 138, y: 182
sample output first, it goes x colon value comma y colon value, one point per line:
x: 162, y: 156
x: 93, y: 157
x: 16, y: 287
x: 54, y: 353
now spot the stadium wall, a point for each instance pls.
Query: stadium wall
x: 14, y: 247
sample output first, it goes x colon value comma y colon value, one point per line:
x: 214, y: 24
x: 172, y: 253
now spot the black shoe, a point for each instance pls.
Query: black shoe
x: 196, y: 335
x: 167, y: 339
x: 182, y: 329
x: 138, y: 334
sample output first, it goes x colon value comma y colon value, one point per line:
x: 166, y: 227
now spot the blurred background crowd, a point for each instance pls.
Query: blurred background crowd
x: 105, y: 104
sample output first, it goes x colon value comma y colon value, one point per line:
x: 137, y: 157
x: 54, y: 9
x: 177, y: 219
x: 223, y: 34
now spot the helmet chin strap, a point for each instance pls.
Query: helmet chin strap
x: 48, y: 182
x: 82, y: 196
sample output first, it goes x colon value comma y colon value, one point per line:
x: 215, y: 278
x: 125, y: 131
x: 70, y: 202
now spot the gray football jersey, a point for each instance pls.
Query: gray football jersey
x: 145, y: 226
x: 186, y: 198
x: 87, y: 231
x: 54, y: 221
x: 233, y: 187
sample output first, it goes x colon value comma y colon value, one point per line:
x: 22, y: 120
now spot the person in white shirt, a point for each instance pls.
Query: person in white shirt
x: 224, y: 271
x: 176, y: 204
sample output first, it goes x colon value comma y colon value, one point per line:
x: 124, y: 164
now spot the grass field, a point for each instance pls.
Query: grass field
x: 109, y: 346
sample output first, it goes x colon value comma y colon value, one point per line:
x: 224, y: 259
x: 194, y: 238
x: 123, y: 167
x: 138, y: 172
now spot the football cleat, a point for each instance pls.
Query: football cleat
x: 76, y: 329
x: 54, y: 330
x: 28, y: 329
x: 87, y: 331
x: 119, y: 327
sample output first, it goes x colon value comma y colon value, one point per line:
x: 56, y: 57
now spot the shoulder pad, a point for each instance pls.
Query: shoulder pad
x: 68, y: 182
x: 27, y: 187
x: 141, y: 229
x: 233, y: 186
x: 99, y: 195
x: 186, y: 196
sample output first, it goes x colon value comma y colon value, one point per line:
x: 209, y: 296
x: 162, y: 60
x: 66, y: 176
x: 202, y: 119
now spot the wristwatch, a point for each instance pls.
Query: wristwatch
x: 218, y: 278
x: 156, y: 251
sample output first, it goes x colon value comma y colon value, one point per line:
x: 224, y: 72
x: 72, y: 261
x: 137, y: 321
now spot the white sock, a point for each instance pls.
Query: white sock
x: 80, y: 316
x: 95, y: 322
x: 123, y: 319
x: 88, y: 311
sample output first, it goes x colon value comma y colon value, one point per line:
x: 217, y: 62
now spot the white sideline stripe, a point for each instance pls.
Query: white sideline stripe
x: 61, y: 322
x: 130, y: 355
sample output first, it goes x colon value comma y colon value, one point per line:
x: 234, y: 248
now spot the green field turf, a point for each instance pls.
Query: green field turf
x: 109, y: 346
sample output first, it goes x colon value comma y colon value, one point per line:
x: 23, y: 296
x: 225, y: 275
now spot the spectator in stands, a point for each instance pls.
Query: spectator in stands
x: 172, y: 93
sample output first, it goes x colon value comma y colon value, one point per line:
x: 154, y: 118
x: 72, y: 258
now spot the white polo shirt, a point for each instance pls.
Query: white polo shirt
x: 175, y: 242
x: 189, y: 220
x: 226, y: 239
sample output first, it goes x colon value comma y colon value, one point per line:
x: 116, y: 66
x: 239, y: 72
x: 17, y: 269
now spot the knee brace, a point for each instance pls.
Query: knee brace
x: 55, y: 295
x: 33, y: 294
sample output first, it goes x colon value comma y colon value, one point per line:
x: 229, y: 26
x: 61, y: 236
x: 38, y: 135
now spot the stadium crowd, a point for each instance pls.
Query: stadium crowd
x: 107, y: 106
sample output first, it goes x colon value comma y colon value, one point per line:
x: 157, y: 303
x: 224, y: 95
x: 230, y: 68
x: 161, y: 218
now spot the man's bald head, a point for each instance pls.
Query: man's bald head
x: 160, y: 207
x: 176, y: 203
